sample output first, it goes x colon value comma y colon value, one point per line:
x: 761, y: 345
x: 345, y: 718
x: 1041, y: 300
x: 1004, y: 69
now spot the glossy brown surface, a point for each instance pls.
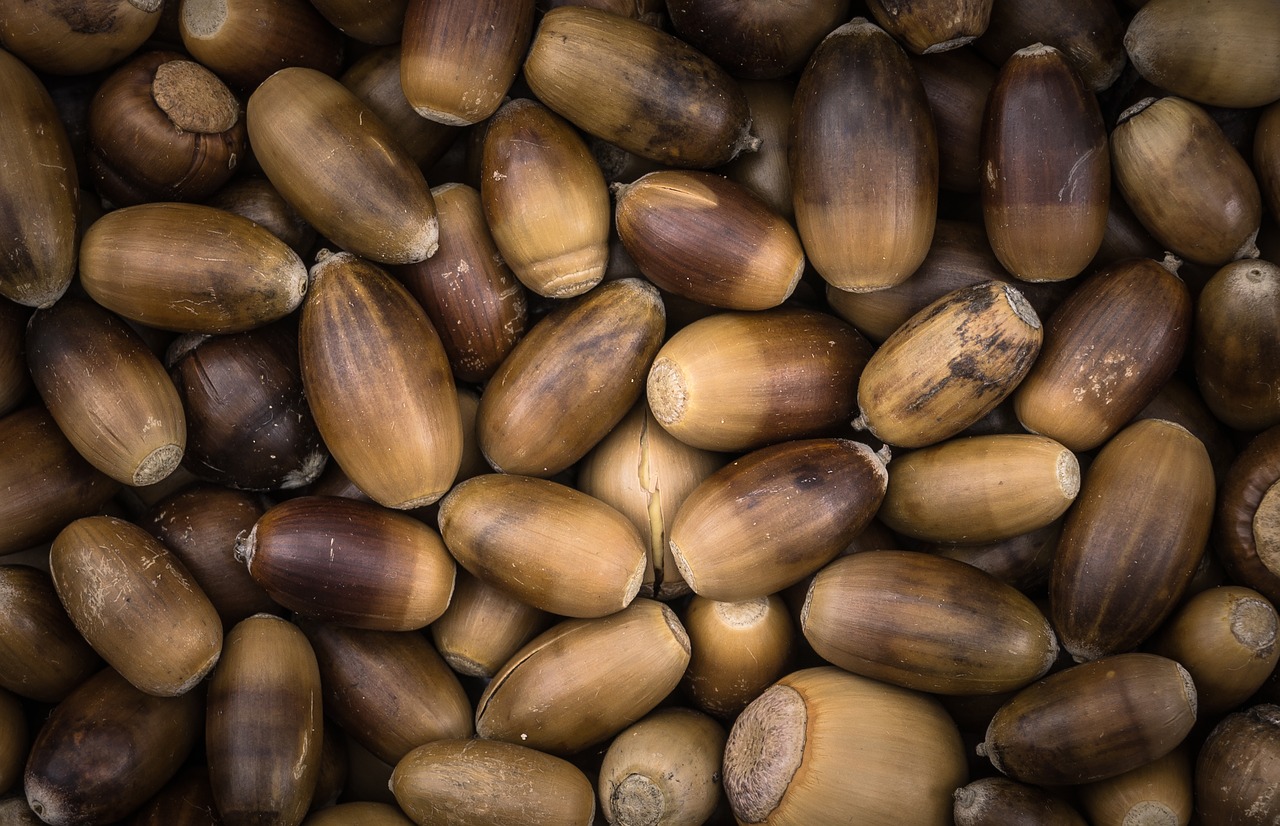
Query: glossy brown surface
x: 738, y: 649
x: 957, y: 84
x: 483, y: 626
x: 1247, y: 528
x: 1237, y: 349
x: 254, y: 197
x: 42, y: 655
x: 932, y: 26
x: 1237, y: 766
x: 80, y: 38
x: 1090, y: 32
x: 245, y: 41
x: 375, y: 79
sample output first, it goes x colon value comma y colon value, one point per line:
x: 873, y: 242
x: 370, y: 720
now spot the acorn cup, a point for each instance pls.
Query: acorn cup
x: 663, y: 769
x: 186, y: 800
x: 1158, y: 792
x: 738, y: 649
x: 1092, y: 721
x: 264, y: 726
x: 395, y: 430
x: 957, y: 84
x: 1236, y: 769
x: 563, y: 364
x: 366, y: 21
x: 767, y: 171
x: 949, y: 365
x: 584, y: 680
x: 375, y: 80
x: 106, y: 390
x: 42, y: 655
x: 389, y: 691
x: 1089, y: 32
x: 1130, y: 547
x: 735, y: 381
x: 15, y: 741
x: 1237, y: 351
x: 483, y: 626
x: 358, y: 814
x: 865, y: 225
x: 532, y: 156
x: 80, y: 39
x: 775, y: 516
x: 47, y: 482
x: 349, y: 562
x: 1247, y: 527
x: 461, y: 56
x: 106, y: 748
x: 822, y: 741
x: 1190, y: 187
x: 638, y: 87
x: 932, y: 27
x: 39, y: 190
x: 996, y: 801
x: 705, y: 238
x: 475, y: 783
x: 256, y: 199
x: 367, y: 196
x: 1046, y: 168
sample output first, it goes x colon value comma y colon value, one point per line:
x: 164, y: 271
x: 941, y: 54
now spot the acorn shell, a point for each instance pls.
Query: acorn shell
x: 246, y: 43
x: 957, y: 84
x: 254, y: 197
x: 1247, y: 527
x: 738, y: 649
x: 80, y: 39
x: 1158, y: 792
x: 995, y: 801
x: 1023, y: 561
x: 375, y: 22
x: 756, y: 39
x: 42, y: 655
x: 483, y: 626
x: 375, y: 79
x: 1088, y: 32
x: 358, y: 814
x: 932, y: 27
x: 1236, y: 768
x: 1237, y: 344
x: 767, y: 171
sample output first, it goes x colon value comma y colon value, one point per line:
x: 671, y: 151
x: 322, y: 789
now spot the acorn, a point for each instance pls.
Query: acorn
x: 349, y: 562
x: 735, y: 381
x: 358, y: 814
x: 245, y: 42
x: 81, y: 39
x: 483, y: 626
x: 530, y: 155
x: 106, y: 748
x: 490, y: 783
x: 638, y: 87
x: 1236, y: 768
x: 396, y: 430
x: 932, y: 27
x: 39, y: 190
x: 1180, y: 403
x: 663, y: 769
x: 1046, y: 170
x: 375, y: 79
x: 584, y: 680
x: 775, y: 516
x: 756, y: 39
x: 738, y: 649
x: 767, y: 171
x: 1196, y: 61
x: 263, y: 724
x: 106, y: 390
x: 996, y: 801
x: 705, y: 238
x: 47, y: 483
x: 822, y: 740
x: 1237, y: 352
x: 1186, y: 183
x: 163, y: 128
x: 1092, y: 721
x: 1108, y: 349
x: 368, y: 197
x: 15, y: 380
x: 1247, y: 527
x: 1089, y: 32
x: 1023, y: 561
x: 15, y: 811
x: 1158, y: 792
x: 1266, y: 156
x: 651, y: 12
x: 949, y: 365
x: 1126, y: 237
x: 375, y: 24
x: 15, y: 741
x: 1131, y: 545
x: 549, y: 545
x: 562, y: 364
x: 461, y: 80
x: 957, y: 84
x: 42, y: 655
x: 865, y: 225
x: 254, y: 197
x: 186, y: 800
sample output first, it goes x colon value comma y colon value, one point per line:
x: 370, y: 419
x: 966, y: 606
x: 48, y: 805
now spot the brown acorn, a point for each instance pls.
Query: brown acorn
x: 358, y: 814
x: 1158, y: 792
x: 373, y: 23
x: 957, y: 84
x: 106, y: 748
x: 1266, y: 156
x: 81, y: 39
x: 368, y: 196
x: 375, y: 79
x: 483, y: 626
x: 638, y: 87
x: 756, y: 39
x: 42, y: 655
x: 1088, y: 32
x: 350, y: 562
x: 996, y: 801
x: 1247, y: 527
x: 15, y: 741
x: 254, y: 197
x: 186, y: 800
x: 15, y: 380
x: 1237, y: 352
x: 865, y: 225
x: 1180, y: 403
x: 738, y: 649
x: 245, y: 42
x: 767, y: 171
x: 1236, y: 768
x: 1023, y: 561
x: 932, y: 27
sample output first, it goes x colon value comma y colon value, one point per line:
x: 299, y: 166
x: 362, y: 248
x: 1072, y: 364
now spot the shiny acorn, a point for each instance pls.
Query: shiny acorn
x: 1236, y: 768
x: 253, y: 197
x: 756, y: 39
x: 1247, y: 523
x: 1158, y: 792
x: 483, y: 626
x: 1088, y: 32
x: 42, y: 655
x: 1237, y: 344
x: 375, y: 80
x: 245, y: 42
x: 932, y: 27
x: 375, y: 24
x: 957, y: 84
x: 81, y: 39
x: 738, y: 649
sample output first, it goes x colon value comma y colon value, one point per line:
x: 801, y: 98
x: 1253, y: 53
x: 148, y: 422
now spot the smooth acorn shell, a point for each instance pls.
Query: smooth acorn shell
x: 190, y: 268
x: 530, y: 155
x: 246, y: 42
x: 584, y: 680
x: 367, y: 21
x: 39, y: 191
x: 350, y: 562
x: 358, y: 814
x: 136, y: 604
x: 1131, y: 545
x: 483, y: 626
x: 368, y: 196
x: 865, y: 225
x: 396, y: 429
x: 822, y: 741
x: 106, y: 390
x: 735, y: 381
x: 637, y: 87
x: 42, y: 655
x: 1022, y: 561
x: 1266, y: 156
x: 15, y: 380
x: 549, y: 545
x: 78, y: 39
x: 1236, y: 768
x: 932, y: 27
x: 1247, y: 527
x: 957, y: 84
x: 1187, y: 184
x: 460, y: 80
x: 775, y: 516
x: 1108, y: 349
x: 1093, y: 721
x: 995, y: 801
x: 186, y: 800
x: 375, y: 79
x: 767, y: 171
x: 704, y: 238
x: 1046, y: 168
x: 263, y: 726
x: 926, y: 622
x: 1180, y: 403
x: 1159, y: 792
x: 254, y: 197
x: 1088, y: 32
x: 471, y: 783
x: 949, y: 365
x: 106, y: 748
x: 1237, y: 344
x: 756, y: 39
x: 561, y: 364
x: 738, y: 649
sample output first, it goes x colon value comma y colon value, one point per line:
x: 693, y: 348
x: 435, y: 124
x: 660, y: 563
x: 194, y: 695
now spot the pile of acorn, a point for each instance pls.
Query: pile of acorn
x: 641, y: 412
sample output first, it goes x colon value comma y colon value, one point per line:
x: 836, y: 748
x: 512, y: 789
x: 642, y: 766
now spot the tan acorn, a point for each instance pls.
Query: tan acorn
x: 109, y: 394
x: 471, y: 783
x: 254, y: 197
x: 1236, y: 768
x: 638, y: 87
x: 865, y: 225
x: 42, y: 655
x: 375, y: 79
x: 995, y: 801
x: 756, y: 39
x: 396, y: 430
x: 738, y: 649
x: 957, y: 84
x: 358, y: 814
x: 79, y: 39
x: 767, y: 171
x: 375, y: 22
x: 822, y: 740
x: 1088, y: 32
x: 483, y: 626
x: 949, y: 365
x: 1247, y: 527
x: 368, y: 196
x: 245, y: 42
x: 1237, y: 350
x: 1158, y: 792
x: 932, y: 27
x: 584, y: 680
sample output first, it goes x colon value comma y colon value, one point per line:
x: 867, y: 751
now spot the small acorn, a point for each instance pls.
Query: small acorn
x: 1247, y: 524
x: 1237, y: 344
x: 42, y: 655
x: 738, y: 649
x: 756, y: 39
x: 483, y: 626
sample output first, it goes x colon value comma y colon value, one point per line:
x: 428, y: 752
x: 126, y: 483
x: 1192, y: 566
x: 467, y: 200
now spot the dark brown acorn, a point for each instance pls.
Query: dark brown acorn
x: 1237, y: 350
x: 186, y: 800
x: 957, y: 84
x: 483, y: 626
x: 15, y: 380
x: 1247, y: 527
x: 358, y: 814
x: 375, y: 22
x: 738, y: 649
x: 375, y: 79
x: 756, y: 39
x: 1237, y: 769
x: 50, y: 36
x: 1088, y: 32
x: 42, y: 655
x: 15, y: 740
x: 934, y: 25
x: 997, y: 801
